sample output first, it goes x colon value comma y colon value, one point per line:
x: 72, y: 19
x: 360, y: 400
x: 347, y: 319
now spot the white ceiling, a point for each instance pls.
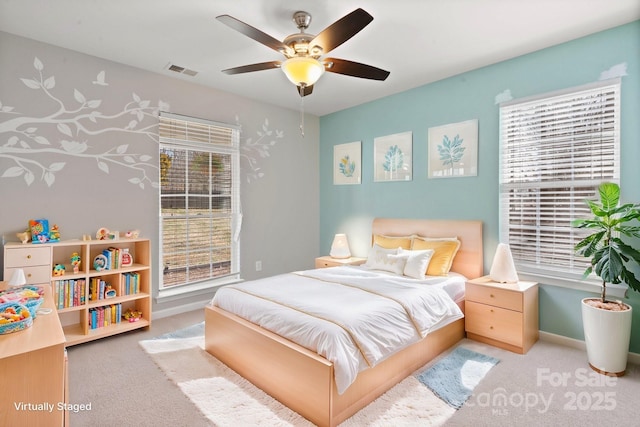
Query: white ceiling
x: 418, y: 41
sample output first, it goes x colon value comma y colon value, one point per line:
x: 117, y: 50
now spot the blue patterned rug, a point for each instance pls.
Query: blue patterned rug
x: 454, y: 377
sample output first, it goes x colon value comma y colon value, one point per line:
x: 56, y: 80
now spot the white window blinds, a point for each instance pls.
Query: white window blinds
x: 199, y: 200
x: 554, y: 152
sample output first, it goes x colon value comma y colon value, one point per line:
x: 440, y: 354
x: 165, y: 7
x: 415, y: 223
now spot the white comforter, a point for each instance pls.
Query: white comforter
x: 353, y: 317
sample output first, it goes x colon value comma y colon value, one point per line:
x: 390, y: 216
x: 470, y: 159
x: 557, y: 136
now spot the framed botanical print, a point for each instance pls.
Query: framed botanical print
x: 347, y: 163
x: 392, y: 157
x: 453, y: 150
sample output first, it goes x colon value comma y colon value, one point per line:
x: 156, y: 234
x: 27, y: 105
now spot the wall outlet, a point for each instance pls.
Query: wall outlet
x: 258, y: 265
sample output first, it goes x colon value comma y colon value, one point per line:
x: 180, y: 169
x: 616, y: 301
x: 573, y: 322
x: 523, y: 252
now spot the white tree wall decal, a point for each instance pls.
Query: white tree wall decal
x: 253, y: 150
x: 29, y: 140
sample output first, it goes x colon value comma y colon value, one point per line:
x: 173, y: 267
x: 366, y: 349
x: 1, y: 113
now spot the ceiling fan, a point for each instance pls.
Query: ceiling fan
x: 304, y: 63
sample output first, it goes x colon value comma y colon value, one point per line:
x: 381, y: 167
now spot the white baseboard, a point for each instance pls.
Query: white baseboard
x: 181, y: 309
x: 578, y: 344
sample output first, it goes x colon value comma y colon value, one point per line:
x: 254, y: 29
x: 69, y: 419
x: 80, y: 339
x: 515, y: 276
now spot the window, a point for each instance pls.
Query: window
x: 554, y: 152
x: 199, y: 203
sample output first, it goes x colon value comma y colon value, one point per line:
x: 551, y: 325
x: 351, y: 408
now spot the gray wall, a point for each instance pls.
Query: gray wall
x: 78, y: 146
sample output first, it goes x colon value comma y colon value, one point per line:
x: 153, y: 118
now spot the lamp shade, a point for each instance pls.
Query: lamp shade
x: 503, y: 269
x: 302, y: 70
x: 340, y: 247
x: 18, y: 278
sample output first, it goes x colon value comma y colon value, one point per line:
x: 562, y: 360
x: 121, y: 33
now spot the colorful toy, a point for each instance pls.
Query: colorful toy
x: 132, y: 315
x: 54, y: 233
x: 131, y: 234
x: 58, y: 270
x: 109, y: 292
x: 102, y: 233
x: 75, y: 262
x: 39, y: 230
x: 25, y: 236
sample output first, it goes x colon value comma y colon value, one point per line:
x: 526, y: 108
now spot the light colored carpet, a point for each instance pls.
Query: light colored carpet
x: 227, y: 399
x: 125, y: 387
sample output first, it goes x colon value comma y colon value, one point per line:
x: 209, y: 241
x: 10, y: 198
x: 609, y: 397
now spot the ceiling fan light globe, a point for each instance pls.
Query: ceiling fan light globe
x: 302, y: 71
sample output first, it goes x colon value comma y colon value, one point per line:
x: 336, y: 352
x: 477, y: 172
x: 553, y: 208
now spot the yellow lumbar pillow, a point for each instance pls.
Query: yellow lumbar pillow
x: 392, y: 242
x: 443, y: 253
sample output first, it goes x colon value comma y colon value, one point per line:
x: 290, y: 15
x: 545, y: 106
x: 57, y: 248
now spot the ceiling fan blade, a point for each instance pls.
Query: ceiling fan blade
x: 341, y: 30
x: 305, y: 90
x: 253, y: 67
x: 355, y: 69
x: 254, y: 33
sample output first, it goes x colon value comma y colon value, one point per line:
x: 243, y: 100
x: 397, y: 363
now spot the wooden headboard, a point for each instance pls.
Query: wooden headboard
x: 469, y: 260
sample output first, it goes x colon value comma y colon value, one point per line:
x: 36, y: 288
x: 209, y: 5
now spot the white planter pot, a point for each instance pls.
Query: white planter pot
x: 607, y: 334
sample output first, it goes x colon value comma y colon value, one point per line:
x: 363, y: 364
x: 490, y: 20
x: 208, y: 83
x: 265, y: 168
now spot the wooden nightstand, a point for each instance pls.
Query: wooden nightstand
x: 327, y: 261
x: 502, y: 314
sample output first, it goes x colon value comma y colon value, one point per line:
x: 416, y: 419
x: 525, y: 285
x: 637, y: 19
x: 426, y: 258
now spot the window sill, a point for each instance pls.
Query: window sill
x: 587, y: 285
x: 180, y: 292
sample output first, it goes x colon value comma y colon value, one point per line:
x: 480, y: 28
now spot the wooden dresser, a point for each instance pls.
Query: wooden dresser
x: 33, y: 371
x: 502, y: 314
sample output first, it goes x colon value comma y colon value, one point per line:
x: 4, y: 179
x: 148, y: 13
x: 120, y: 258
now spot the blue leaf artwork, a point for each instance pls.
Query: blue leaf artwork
x: 451, y: 151
x: 393, y: 159
x: 347, y: 166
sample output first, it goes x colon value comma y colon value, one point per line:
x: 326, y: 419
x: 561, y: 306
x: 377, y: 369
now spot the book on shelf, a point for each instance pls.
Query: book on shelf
x: 99, y: 317
x: 131, y: 283
x: 98, y: 288
x: 113, y: 257
x: 69, y: 293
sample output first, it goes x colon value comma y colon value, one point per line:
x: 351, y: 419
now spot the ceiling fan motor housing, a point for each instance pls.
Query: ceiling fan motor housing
x: 302, y: 20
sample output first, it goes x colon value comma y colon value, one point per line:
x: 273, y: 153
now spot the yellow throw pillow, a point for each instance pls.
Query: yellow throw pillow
x: 392, y: 242
x: 443, y: 253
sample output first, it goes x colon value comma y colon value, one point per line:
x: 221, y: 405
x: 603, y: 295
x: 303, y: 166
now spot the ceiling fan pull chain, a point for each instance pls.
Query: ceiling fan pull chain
x: 302, y: 110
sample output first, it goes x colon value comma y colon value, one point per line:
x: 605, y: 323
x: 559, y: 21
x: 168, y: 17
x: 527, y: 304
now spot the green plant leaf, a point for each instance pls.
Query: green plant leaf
x: 609, y: 195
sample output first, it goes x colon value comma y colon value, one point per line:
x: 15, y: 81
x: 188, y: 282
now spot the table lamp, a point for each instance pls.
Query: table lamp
x: 503, y: 270
x: 18, y: 278
x: 340, y: 247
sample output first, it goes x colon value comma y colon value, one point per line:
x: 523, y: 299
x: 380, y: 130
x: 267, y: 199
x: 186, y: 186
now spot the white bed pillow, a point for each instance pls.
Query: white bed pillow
x: 386, y: 260
x: 417, y: 262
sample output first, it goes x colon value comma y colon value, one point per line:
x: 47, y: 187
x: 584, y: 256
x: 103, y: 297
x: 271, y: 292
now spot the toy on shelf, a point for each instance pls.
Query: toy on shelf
x: 131, y: 234
x: 58, y: 270
x: 25, y: 236
x: 100, y: 262
x: 102, y: 233
x: 54, y: 233
x: 127, y: 258
x: 75, y: 262
x: 109, y: 292
x: 41, y: 233
x: 132, y: 315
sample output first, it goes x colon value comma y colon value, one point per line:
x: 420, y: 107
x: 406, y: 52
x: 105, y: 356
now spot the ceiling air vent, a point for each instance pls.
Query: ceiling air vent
x: 181, y: 70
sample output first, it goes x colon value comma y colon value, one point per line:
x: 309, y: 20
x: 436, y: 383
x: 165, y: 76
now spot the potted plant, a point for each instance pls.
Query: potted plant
x: 607, y: 324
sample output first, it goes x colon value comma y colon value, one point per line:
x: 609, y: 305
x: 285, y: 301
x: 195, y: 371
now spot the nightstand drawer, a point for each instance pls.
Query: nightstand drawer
x: 323, y: 263
x: 327, y: 261
x: 493, y: 322
x: 34, y: 275
x: 503, y: 298
x: 28, y: 256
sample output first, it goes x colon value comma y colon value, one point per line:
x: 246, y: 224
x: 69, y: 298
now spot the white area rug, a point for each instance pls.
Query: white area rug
x: 227, y: 399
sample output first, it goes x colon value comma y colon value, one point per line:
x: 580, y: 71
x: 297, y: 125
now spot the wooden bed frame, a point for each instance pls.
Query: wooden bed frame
x: 304, y: 381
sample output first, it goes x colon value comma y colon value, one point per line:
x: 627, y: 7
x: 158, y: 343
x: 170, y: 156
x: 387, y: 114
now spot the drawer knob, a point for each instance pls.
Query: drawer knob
x: 490, y: 327
x: 491, y: 295
x: 28, y: 274
x: 491, y: 310
x: 28, y: 256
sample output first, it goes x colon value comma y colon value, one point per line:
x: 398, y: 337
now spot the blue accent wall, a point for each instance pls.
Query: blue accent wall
x: 472, y: 95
